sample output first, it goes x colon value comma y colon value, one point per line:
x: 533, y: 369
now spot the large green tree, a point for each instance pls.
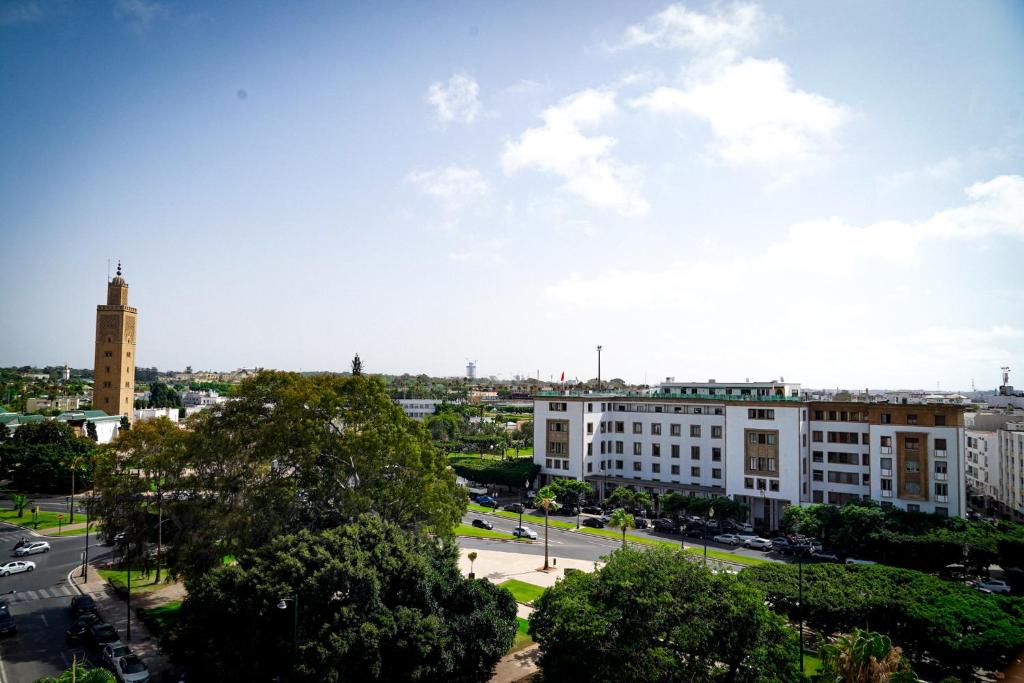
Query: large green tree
x: 374, y: 603
x: 654, y: 616
x: 163, y: 396
x: 79, y: 674
x: 40, y: 457
x: 864, y: 657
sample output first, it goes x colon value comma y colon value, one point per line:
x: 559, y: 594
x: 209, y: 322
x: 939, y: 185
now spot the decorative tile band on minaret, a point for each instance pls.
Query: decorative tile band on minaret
x: 114, y: 378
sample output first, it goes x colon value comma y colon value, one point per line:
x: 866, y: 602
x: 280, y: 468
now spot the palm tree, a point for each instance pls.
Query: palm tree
x: 472, y: 558
x: 19, y: 500
x: 620, y: 519
x: 546, y: 501
x: 864, y: 657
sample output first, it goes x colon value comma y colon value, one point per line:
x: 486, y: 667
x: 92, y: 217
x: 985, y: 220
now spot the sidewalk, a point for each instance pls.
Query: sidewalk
x: 114, y: 610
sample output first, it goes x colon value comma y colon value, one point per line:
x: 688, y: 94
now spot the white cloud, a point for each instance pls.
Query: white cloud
x: 825, y: 298
x: 940, y: 171
x: 458, y: 101
x: 139, y: 14
x: 584, y: 162
x: 679, y: 28
x: 486, y: 251
x: 755, y: 113
x: 454, y: 186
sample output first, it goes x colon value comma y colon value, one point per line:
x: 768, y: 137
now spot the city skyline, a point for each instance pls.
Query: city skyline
x: 831, y: 194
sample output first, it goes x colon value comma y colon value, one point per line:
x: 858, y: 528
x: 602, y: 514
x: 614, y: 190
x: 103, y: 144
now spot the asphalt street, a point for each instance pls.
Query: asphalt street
x: 40, y: 607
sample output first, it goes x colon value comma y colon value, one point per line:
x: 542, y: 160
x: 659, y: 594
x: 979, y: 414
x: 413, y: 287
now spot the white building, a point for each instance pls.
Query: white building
x: 1011, y: 469
x: 148, y: 414
x: 418, y: 408
x: 712, y: 388
x: 981, y: 469
x: 769, y: 451
x: 202, y: 399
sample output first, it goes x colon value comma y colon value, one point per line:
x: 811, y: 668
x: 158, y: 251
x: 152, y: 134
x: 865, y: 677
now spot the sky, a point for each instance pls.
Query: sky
x: 832, y: 193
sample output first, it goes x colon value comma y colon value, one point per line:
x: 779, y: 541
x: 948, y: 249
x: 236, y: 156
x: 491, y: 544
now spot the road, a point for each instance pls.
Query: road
x: 40, y: 607
x: 577, y: 546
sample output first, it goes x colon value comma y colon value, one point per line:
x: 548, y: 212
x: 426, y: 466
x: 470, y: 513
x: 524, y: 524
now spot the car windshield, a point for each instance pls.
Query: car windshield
x: 121, y: 651
x: 105, y: 632
x: 132, y: 665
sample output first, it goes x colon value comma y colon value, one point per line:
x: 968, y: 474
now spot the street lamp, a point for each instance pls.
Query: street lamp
x: 711, y: 514
x: 522, y: 502
x: 283, y: 604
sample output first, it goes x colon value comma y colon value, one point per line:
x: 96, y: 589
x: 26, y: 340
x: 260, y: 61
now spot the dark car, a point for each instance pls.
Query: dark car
x: 80, y: 626
x: 7, y: 624
x: 482, y: 524
x: 592, y: 510
x: 666, y: 525
x: 103, y: 634
x: 781, y: 544
x: 487, y: 501
x: 594, y: 522
x: 642, y: 523
x: 80, y: 604
x: 515, y: 507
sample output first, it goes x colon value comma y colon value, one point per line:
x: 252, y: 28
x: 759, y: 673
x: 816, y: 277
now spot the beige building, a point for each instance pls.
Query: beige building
x: 114, y: 381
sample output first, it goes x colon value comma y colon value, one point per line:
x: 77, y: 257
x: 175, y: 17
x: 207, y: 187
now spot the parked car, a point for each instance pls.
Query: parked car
x: 16, y: 567
x: 114, y: 652
x: 486, y: 501
x: 824, y: 556
x: 714, y: 525
x: 7, y: 624
x: 666, y: 525
x: 592, y: 509
x: 80, y: 626
x: 482, y: 523
x: 32, y: 549
x: 758, y: 543
x: 594, y: 522
x: 642, y: 523
x: 729, y: 539
x: 780, y: 544
x: 745, y: 528
x: 524, y: 532
x: 80, y: 604
x: 515, y: 507
x: 854, y: 560
x: 131, y: 669
x: 993, y: 586
x: 103, y: 634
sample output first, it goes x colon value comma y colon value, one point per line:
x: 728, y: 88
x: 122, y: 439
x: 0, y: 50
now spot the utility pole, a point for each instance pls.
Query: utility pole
x: 599, y: 347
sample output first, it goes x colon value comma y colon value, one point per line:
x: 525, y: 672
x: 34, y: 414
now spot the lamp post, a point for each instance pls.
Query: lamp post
x: 522, y: 502
x: 711, y: 514
x: 283, y: 604
x: 60, y: 520
x: 599, y: 347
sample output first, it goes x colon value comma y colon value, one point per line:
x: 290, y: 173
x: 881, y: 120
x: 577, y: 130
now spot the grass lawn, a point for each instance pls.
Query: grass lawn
x: 558, y: 523
x: 523, y: 592
x: 812, y: 664
x: 161, y: 619
x: 69, y: 532
x: 44, y: 519
x: 523, y: 638
x: 140, y: 583
x: 469, y: 530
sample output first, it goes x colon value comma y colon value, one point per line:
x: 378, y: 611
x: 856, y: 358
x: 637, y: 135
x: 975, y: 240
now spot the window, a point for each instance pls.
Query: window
x: 940, y: 444
x: 656, y: 450
x: 748, y: 483
x: 695, y: 452
x: 637, y: 449
x: 816, y: 436
x: 817, y: 496
x: 885, y: 463
x: 602, y: 428
x: 912, y: 488
x: 675, y: 430
x: 620, y: 427
x: 636, y: 467
x: 716, y: 473
x: 656, y: 468
x: 108, y: 354
x: 675, y: 469
x: 716, y: 432
x: 590, y: 428
x: 108, y: 369
x: 865, y: 460
x: 695, y: 431
x: 760, y: 414
x: 638, y: 428
x: 618, y: 464
x: 885, y: 418
x: 940, y: 420
x: 547, y: 463
x: 556, y: 447
x: 763, y: 438
x: 818, y: 456
x: 941, y: 489
x: 618, y: 447
x: 819, y: 414
x: 590, y: 407
x: 557, y: 407
x: 716, y: 454
x: 773, y: 485
x: 940, y: 467
x: 911, y: 419
x: 675, y: 450
x: 694, y: 471
x: 818, y: 475
x: 656, y: 428
x: 911, y: 466
x: 602, y: 448
x: 558, y: 427
x: 590, y: 448
x: 803, y: 440
x: 864, y: 440
x: 886, y: 484
x: 912, y: 443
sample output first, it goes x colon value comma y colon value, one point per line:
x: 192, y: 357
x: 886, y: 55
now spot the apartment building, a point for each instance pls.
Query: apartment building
x: 418, y: 408
x: 981, y: 466
x: 769, y: 451
x: 1011, y: 469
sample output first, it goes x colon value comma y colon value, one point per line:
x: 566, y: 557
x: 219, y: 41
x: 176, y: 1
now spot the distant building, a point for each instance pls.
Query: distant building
x: 34, y: 405
x: 201, y: 399
x: 735, y: 389
x: 418, y: 408
x: 1011, y: 469
x: 114, y: 378
x: 107, y: 426
x: 981, y: 470
x: 66, y: 375
x: 148, y: 414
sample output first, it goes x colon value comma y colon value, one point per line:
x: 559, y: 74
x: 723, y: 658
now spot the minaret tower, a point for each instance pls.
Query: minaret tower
x: 114, y: 379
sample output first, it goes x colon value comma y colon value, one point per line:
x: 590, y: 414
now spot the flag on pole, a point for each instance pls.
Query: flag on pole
x: 563, y: 375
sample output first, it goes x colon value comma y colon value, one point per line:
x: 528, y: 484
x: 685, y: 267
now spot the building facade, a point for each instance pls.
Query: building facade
x: 767, y: 451
x: 418, y: 408
x: 1011, y: 469
x: 981, y: 469
x: 114, y: 379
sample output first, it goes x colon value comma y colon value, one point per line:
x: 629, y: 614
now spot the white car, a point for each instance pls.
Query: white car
x: 131, y: 669
x: 32, y: 549
x: 993, y: 586
x: 113, y: 652
x: 854, y: 560
x: 16, y: 567
x: 758, y: 543
x: 729, y: 539
x: 524, y: 532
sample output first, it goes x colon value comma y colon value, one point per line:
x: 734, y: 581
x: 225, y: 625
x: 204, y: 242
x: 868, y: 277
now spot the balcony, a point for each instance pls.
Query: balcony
x: 886, y: 494
x: 886, y: 450
x: 941, y: 499
x: 941, y: 476
x: 886, y: 473
x: 940, y: 454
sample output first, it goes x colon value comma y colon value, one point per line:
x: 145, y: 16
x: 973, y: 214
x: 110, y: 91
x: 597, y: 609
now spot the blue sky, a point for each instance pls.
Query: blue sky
x: 831, y: 192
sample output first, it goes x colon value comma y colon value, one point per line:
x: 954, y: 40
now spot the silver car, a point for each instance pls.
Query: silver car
x: 524, y: 532
x: 32, y: 549
x: 113, y: 652
x: 16, y: 567
x: 131, y: 669
x: 758, y: 543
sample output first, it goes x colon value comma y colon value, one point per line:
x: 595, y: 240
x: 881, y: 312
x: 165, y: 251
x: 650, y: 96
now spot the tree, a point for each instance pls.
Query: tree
x: 19, y: 501
x: 5, y: 432
x: 620, y: 519
x: 126, y: 424
x: 357, y: 366
x: 79, y: 674
x: 163, y: 396
x: 373, y: 603
x: 39, y: 456
x: 570, y: 492
x: 472, y: 558
x: 631, y: 500
x: 546, y: 501
x: 654, y: 616
x: 864, y: 657
x: 90, y: 430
